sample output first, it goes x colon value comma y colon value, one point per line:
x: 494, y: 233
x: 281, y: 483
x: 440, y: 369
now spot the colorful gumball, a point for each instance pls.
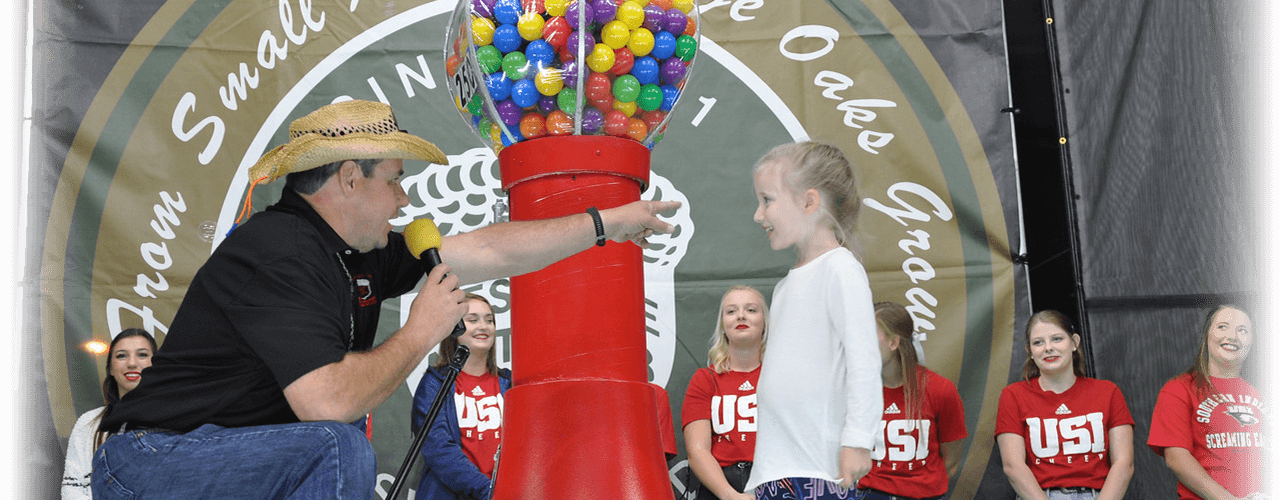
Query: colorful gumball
x: 623, y: 61
x: 534, y: 6
x: 604, y: 105
x: 548, y: 81
x: 592, y: 121
x: 516, y: 67
x: 577, y: 38
x: 646, y: 70
x: 482, y: 31
x: 691, y: 28
x: 482, y: 8
x: 451, y: 64
x: 673, y: 70
x: 567, y: 101
x: 653, y: 119
x: 664, y: 4
x: 615, y: 123
x: 641, y: 42
x: 507, y: 38
x: 489, y: 57
x: 476, y: 105
x: 676, y: 21
x: 598, y: 87
x: 499, y: 86
x: 532, y: 126
x: 663, y: 45
x: 509, y: 113
x: 559, y: 123
x: 540, y: 54
x: 684, y: 5
x: 650, y: 97
x: 569, y: 73
x: 615, y: 34
x: 530, y: 26
x: 524, y: 93
x: 513, y: 137
x: 601, y: 59
x: 556, y: 32
x: 485, y: 126
x: 579, y: 14
x: 686, y: 47
x: 557, y: 7
x: 627, y: 108
x: 654, y: 18
x: 605, y: 10
x: 631, y: 13
x: 507, y: 11
x: 547, y: 104
x: 636, y: 129
x: 494, y: 131
x: 626, y: 88
x: 670, y: 94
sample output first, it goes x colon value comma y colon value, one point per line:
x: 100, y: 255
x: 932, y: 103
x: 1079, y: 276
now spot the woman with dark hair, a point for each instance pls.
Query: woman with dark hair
x: 922, y: 429
x: 719, y: 404
x: 1061, y: 435
x: 1207, y: 422
x: 462, y: 441
x: 129, y: 354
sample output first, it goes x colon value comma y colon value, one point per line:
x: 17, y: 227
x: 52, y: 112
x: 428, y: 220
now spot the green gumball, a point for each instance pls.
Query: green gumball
x: 650, y: 97
x: 567, y: 100
x: 685, y: 47
x: 626, y: 88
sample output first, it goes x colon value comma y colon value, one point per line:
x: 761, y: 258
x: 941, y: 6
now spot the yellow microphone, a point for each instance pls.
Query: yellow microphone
x: 424, y: 240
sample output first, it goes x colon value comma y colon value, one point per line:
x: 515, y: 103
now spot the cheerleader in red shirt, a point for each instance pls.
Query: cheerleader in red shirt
x: 1063, y: 436
x: 1208, y: 421
x: 719, y: 405
x: 923, y: 424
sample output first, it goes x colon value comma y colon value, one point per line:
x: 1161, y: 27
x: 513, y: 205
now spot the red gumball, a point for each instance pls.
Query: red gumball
x: 559, y: 123
x: 599, y: 87
x: 538, y: 6
x: 653, y: 118
x: 623, y: 60
x: 556, y: 32
x: 616, y: 123
x: 532, y: 125
x: 636, y: 129
x: 604, y: 105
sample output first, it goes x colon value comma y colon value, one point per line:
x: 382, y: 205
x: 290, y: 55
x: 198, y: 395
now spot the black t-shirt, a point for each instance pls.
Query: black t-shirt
x: 281, y: 296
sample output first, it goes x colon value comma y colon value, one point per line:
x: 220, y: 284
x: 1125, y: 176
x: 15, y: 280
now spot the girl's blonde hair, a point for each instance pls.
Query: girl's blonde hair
x: 896, y: 322
x: 718, y: 355
x: 448, y: 346
x: 815, y: 165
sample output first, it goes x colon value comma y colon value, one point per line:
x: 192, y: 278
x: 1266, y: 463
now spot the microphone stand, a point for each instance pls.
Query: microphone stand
x: 446, y: 389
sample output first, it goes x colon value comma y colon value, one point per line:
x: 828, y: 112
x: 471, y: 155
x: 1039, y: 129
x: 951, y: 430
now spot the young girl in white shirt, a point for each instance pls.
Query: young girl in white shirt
x: 819, y: 395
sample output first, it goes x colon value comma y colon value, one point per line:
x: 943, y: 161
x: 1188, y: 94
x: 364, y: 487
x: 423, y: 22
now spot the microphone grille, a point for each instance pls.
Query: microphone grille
x: 420, y: 235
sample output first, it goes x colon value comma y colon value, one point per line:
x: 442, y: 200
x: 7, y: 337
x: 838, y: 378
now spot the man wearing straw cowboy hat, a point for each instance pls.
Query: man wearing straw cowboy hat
x: 270, y: 353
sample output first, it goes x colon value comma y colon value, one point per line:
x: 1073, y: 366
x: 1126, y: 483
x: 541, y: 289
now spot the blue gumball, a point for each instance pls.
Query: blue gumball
x: 646, y: 70
x: 540, y: 54
x: 669, y: 95
x: 507, y: 11
x: 507, y: 38
x: 499, y: 86
x: 475, y: 121
x: 663, y: 45
x: 508, y: 140
x: 524, y: 93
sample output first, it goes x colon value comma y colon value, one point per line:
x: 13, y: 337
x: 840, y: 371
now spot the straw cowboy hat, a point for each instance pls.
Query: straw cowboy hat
x: 348, y: 130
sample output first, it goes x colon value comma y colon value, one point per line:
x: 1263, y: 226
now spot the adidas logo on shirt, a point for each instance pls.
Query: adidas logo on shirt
x: 746, y: 386
x: 892, y: 409
x: 480, y: 392
x: 1062, y: 410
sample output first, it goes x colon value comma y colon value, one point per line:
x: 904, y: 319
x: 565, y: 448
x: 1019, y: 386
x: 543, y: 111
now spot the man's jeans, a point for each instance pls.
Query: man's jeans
x: 300, y: 460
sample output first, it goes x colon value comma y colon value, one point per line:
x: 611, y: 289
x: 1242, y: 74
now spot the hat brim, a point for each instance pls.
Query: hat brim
x: 314, y: 150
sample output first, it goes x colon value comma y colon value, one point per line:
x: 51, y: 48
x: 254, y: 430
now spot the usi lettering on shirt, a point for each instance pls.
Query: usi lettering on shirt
x: 479, y: 406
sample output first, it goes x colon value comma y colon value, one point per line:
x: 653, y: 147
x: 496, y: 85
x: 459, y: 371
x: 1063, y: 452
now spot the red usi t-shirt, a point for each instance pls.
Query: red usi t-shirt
x: 728, y: 401
x: 1223, y: 431
x: 1065, y: 433
x: 479, y: 417
x: 907, y: 460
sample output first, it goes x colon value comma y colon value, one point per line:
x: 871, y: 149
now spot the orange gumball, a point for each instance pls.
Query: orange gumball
x: 450, y: 65
x: 637, y: 129
x: 559, y: 123
x: 664, y: 4
x: 532, y: 125
x: 690, y: 29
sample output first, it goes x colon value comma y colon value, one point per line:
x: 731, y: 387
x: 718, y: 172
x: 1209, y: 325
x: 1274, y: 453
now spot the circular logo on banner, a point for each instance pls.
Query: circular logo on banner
x: 158, y: 173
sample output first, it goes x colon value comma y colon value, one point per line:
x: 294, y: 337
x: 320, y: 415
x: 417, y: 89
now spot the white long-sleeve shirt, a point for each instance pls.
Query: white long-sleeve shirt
x: 820, y: 386
x: 78, y: 468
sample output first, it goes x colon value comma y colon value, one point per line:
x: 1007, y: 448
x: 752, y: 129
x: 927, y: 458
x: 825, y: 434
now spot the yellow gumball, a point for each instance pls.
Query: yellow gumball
x: 549, y: 81
x: 625, y: 107
x: 615, y: 34
x: 482, y: 30
x: 641, y: 42
x: 556, y: 7
x: 530, y: 26
x: 601, y: 58
x: 684, y: 5
x: 631, y: 13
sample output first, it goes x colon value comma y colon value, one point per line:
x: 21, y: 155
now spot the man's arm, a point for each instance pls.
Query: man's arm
x: 348, y: 389
x: 519, y: 247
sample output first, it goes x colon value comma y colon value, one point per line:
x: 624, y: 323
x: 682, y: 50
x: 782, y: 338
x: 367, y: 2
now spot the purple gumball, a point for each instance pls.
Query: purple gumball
x: 592, y: 120
x: 673, y: 70
x: 547, y: 104
x: 605, y: 11
x: 654, y: 18
x: 579, y: 14
x: 676, y: 21
x: 510, y: 113
x: 482, y: 8
x: 582, y: 37
x: 569, y: 73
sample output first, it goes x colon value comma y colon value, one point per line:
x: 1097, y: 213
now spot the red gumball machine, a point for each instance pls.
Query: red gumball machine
x: 538, y: 81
